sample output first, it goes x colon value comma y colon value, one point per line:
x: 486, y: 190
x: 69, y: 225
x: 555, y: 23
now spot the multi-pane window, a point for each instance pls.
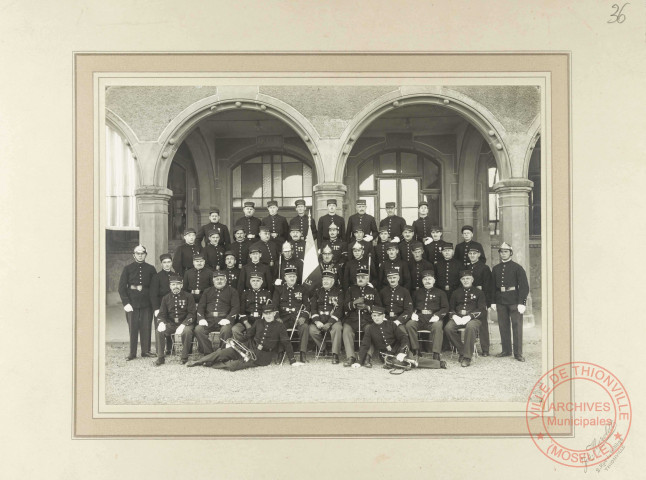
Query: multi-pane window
x: 493, y: 207
x: 403, y: 177
x: 120, y: 183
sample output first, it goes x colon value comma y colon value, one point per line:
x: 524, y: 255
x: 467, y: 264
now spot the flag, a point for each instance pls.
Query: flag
x: 311, y: 266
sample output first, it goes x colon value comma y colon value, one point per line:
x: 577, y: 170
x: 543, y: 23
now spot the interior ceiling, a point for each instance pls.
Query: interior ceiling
x: 417, y: 119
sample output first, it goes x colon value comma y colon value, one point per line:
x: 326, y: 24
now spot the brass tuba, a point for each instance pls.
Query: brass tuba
x: 245, y: 352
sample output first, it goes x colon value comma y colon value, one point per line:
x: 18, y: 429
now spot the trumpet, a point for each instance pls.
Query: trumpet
x: 245, y: 352
x: 397, y: 367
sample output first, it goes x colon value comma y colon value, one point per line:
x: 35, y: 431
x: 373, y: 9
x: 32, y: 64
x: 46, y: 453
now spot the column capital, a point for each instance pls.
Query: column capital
x: 153, y: 191
x: 330, y: 188
x: 467, y: 204
x: 513, y: 185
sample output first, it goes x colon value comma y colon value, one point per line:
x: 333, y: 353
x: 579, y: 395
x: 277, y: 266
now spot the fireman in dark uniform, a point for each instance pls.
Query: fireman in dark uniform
x: 394, y: 224
x: 301, y: 220
x: 326, y: 220
x: 198, y: 278
x: 255, y: 266
x: 250, y: 223
x: 298, y: 244
x: 217, y: 311
x: 177, y: 315
x: 359, y: 301
x: 467, y: 304
x: 447, y: 271
x: 159, y: 288
x: 423, y: 224
x: 512, y: 289
x: 431, y: 306
x: 392, y: 262
x: 396, y: 300
x: 462, y: 248
x: 383, y: 336
x: 368, y: 247
x: 362, y: 220
x: 231, y: 269
x: 287, y: 260
x: 483, y: 280
x: 183, y: 256
x: 266, y: 334
x: 326, y: 308
x: 214, y: 224
x: 434, y: 248
x: 277, y: 224
x: 240, y: 246
x: 382, y: 243
x: 418, y: 266
x: 134, y: 290
x: 328, y: 263
x: 269, y: 251
x: 291, y: 301
x: 252, y: 302
x: 338, y: 246
x: 359, y: 261
x: 214, y: 252
x: 406, y: 244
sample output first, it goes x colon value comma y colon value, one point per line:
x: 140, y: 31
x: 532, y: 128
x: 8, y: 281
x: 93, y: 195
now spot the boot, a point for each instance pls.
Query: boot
x: 335, y: 358
x: 349, y: 362
x: 303, y: 357
x: 368, y: 362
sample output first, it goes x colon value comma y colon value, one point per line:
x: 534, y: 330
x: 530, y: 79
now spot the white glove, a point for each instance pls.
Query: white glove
x: 128, y: 308
x: 521, y: 308
x: 318, y: 324
x: 400, y: 357
x: 493, y: 307
x: 297, y: 364
x: 180, y: 329
x: 456, y: 319
x: 319, y: 250
x: 370, y: 285
x: 203, y: 322
x: 395, y: 240
x: 398, y: 323
x: 356, y: 365
x: 223, y: 322
x: 251, y: 236
x: 274, y: 235
x: 466, y: 319
x: 368, y: 238
x: 414, y: 316
x: 427, y: 240
x: 156, y: 312
x: 278, y: 282
x: 434, y: 318
x: 161, y: 327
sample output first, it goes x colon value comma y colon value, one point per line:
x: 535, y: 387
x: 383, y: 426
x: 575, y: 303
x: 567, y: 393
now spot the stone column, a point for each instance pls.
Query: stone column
x: 325, y: 191
x: 467, y: 214
x: 513, y: 199
x: 152, y: 207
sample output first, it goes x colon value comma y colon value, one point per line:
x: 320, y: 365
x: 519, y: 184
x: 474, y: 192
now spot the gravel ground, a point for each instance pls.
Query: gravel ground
x: 138, y: 382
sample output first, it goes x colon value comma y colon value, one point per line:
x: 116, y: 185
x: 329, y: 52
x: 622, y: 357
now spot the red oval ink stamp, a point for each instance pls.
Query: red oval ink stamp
x: 578, y: 414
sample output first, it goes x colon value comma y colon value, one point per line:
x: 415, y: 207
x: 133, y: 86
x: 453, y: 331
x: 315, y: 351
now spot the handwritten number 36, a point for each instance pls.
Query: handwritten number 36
x: 618, y: 17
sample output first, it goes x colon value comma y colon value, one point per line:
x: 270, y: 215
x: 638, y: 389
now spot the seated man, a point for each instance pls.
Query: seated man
x: 384, y: 336
x: 177, y: 314
x: 396, y: 300
x: 217, y: 311
x: 252, y: 303
x: 359, y: 302
x: 326, y: 307
x: 467, y: 304
x: 265, y: 334
x: 291, y: 301
x: 430, y: 305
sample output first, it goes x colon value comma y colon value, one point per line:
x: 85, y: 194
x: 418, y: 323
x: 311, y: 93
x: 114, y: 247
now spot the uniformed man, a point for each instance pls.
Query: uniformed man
x: 183, y: 256
x: 362, y: 220
x: 214, y: 252
x: 134, y: 290
x: 250, y: 223
x: 512, y: 289
x: 359, y: 261
x: 382, y: 243
x: 266, y: 334
x: 422, y: 226
x: 326, y: 220
x: 214, y: 224
x: 434, y: 248
x: 286, y: 261
x: 482, y: 280
x: 255, y: 266
x: 462, y: 248
x: 177, y: 315
x: 277, y: 224
x: 431, y: 305
x: 338, y: 246
x: 447, y: 271
x: 252, y: 303
x: 360, y: 299
x: 405, y: 246
x: 467, y: 304
x: 269, y: 251
x: 298, y: 244
x: 231, y: 269
x: 240, y: 246
x: 301, y: 220
x: 418, y: 266
x: 291, y: 301
x: 383, y: 336
x: 394, y: 224
x: 198, y: 278
x: 396, y: 300
x: 394, y: 263
x: 326, y: 307
x: 217, y: 311
x: 159, y: 288
x: 328, y: 263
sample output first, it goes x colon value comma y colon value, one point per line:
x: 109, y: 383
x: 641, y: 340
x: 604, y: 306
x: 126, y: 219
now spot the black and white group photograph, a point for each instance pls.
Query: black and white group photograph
x: 323, y: 242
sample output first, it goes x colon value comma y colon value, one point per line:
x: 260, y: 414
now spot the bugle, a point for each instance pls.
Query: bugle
x: 245, y: 352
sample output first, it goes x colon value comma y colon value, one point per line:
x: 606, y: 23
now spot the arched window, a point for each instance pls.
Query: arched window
x: 404, y: 177
x: 121, y: 181
x: 271, y: 176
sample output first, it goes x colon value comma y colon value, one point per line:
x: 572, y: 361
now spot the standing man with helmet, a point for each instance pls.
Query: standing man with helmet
x: 512, y: 289
x: 250, y: 223
x: 134, y: 290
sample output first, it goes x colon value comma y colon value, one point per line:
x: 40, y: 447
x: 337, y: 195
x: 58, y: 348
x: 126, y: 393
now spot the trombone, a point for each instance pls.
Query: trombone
x: 245, y: 352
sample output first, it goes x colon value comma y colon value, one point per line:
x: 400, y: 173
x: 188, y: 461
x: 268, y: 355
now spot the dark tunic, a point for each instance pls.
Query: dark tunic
x: 178, y: 309
x: 337, y: 268
x: 241, y: 250
x: 511, y: 277
x: 289, y: 301
x: 277, y: 225
x: 283, y: 263
x: 370, y: 297
x: 251, y: 227
x: 416, y: 269
x: 252, y: 303
x: 462, y: 252
x: 405, y: 250
x: 299, y: 248
x: 325, y: 221
x: 159, y: 287
x: 430, y: 302
x: 422, y: 228
x: 382, y: 336
x: 468, y: 301
x: 398, y: 264
x: 217, y: 304
x: 326, y: 306
x: 483, y: 279
x: 196, y: 281
x: 138, y: 275
x: 350, y: 271
x: 395, y: 226
x: 214, y: 256
x: 339, y: 249
x: 397, y: 303
x: 448, y: 274
x: 183, y: 257
x: 225, y: 238
x: 366, y: 222
x: 269, y: 254
x: 301, y: 222
x: 266, y: 336
x: 233, y: 275
x: 433, y: 251
x: 245, y: 276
